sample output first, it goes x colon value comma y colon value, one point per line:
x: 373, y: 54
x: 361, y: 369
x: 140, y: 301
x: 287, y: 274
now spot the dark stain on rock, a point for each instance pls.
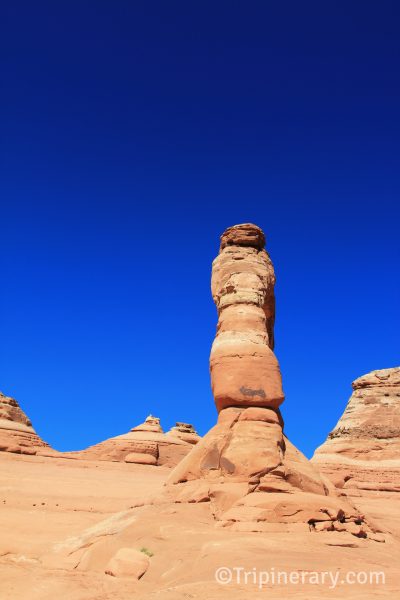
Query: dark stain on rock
x: 249, y: 392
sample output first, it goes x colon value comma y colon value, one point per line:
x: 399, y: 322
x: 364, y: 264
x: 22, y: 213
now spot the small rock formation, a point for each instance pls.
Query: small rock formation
x: 128, y: 562
x: 185, y: 432
x: 145, y: 444
x: 151, y: 424
x: 16, y: 432
x: 253, y: 476
x: 362, y: 453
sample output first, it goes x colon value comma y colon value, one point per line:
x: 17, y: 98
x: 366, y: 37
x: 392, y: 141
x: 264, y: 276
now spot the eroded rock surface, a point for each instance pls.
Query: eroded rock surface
x: 128, y: 562
x: 363, y: 450
x: 245, y: 466
x: 145, y: 444
x: 16, y: 432
x: 244, y: 369
x: 185, y: 432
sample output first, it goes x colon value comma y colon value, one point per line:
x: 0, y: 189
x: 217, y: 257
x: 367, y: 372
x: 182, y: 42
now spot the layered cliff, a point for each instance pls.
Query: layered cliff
x: 363, y: 451
x: 16, y: 432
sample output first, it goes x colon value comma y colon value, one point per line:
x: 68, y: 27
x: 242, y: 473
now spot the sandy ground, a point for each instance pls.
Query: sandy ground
x: 61, y: 520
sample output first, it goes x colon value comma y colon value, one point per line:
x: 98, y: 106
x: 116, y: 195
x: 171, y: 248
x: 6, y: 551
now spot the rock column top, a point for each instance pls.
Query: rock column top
x: 245, y: 234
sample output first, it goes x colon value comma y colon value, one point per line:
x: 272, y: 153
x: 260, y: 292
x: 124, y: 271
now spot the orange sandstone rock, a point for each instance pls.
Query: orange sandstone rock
x: 128, y: 562
x: 145, y: 444
x: 244, y: 369
x: 362, y: 453
x: 185, y: 432
x: 245, y: 466
x: 16, y: 432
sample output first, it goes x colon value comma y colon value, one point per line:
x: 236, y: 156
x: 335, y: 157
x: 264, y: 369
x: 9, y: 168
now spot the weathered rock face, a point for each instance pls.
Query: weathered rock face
x: 145, y: 444
x: 244, y: 369
x: 363, y: 450
x: 16, y: 431
x: 245, y: 466
x: 185, y: 432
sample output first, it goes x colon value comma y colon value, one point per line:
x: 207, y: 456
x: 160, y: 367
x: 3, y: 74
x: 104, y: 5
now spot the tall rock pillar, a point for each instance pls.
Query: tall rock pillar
x: 245, y: 467
x: 244, y: 369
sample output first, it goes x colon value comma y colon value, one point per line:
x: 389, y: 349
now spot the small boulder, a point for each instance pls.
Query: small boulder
x: 141, y: 459
x: 128, y: 562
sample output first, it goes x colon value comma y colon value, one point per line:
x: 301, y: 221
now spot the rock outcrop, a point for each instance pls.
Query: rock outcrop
x: 244, y: 369
x: 16, y: 432
x: 185, y: 432
x: 128, y: 562
x: 253, y: 476
x: 362, y: 453
x: 145, y: 444
x: 151, y: 424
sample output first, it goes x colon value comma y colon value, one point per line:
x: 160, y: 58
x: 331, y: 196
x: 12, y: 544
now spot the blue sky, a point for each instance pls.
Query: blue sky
x: 133, y: 134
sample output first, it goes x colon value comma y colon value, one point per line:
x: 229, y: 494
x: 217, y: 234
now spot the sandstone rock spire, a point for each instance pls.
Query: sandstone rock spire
x: 245, y: 466
x: 244, y: 369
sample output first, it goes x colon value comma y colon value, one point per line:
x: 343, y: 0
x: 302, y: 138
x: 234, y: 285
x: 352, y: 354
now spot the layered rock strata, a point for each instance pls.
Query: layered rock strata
x: 16, y: 432
x: 245, y: 466
x: 362, y: 453
x: 185, y: 432
x: 144, y: 444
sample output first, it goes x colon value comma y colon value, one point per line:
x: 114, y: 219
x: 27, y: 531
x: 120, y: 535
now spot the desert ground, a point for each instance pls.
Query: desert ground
x: 62, y: 520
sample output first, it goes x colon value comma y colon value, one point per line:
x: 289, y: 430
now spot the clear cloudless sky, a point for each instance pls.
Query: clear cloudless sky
x: 132, y: 135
